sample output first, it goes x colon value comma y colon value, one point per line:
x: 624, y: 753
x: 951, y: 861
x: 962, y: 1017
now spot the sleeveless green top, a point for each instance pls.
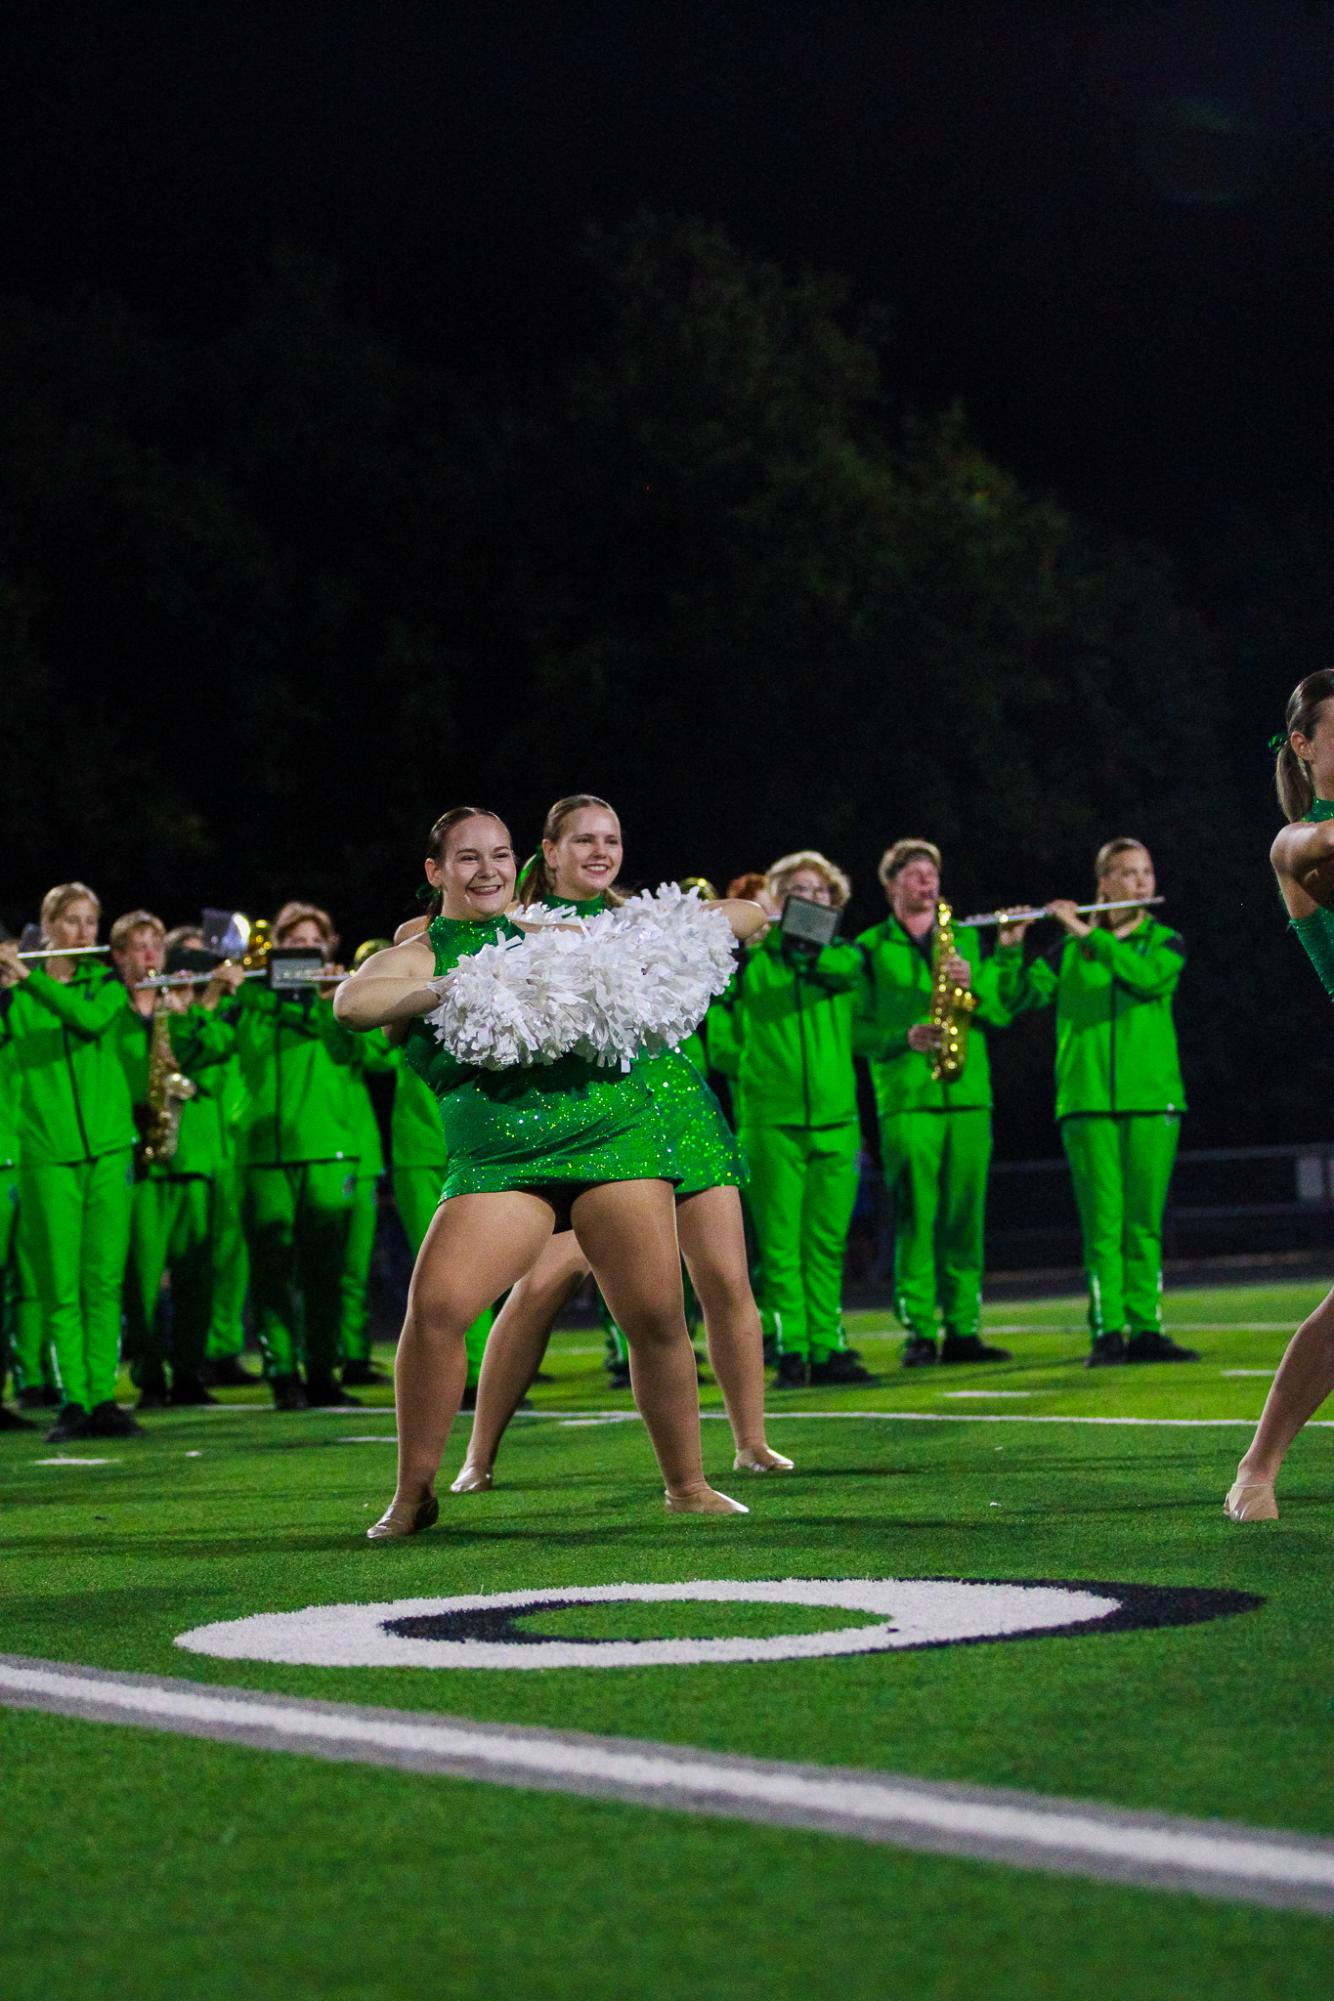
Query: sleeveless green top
x: 567, y: 1123
x: 696, y: 1128
x: 1317, y: 931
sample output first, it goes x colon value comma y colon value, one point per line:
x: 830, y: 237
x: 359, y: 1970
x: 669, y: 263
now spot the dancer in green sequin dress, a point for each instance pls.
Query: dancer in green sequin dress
x: 581, y: 855
x: 526, y: 1147
x: 1303, y: 859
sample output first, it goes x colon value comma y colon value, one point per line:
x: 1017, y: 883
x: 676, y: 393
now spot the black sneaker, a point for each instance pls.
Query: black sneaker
x: 919, y: 1352
x: 11, y: 1421
x: 468, y: 1401
x: 71, y: 1422
x: 1106, y: 1352
x: 792, y: 1373
x: 289, y: 1392
x: 108, y: 1420
x: 153, y: 1396
x: 38, y: 1398
x: 842, y: 1366
x: 323, y: 1393
x: 1152, y: 1347
x: 361, y: 1375
x: 187, y: 1393
x: 226, y: 1373
x: 618, y: 1375
x: 970, y: 1348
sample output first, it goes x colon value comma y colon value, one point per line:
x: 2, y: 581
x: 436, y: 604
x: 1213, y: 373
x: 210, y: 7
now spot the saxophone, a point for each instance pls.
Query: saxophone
x: 168, y: 1091
x: 951, y: 1004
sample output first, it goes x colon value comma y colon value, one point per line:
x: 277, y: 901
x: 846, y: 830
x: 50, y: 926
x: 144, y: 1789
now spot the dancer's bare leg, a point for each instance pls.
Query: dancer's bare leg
x: 514, y: 1350
x: 628, y: 1231
x: 1305, y: 1377
x: 713, y: 1244
x: 476, y: 1246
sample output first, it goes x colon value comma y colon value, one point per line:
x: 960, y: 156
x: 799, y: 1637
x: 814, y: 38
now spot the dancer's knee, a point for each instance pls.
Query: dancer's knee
x: 654, y: 1328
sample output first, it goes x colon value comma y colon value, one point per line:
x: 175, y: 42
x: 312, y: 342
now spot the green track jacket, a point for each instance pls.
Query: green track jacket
x: 787, y: 1041
x: 1116, y: 1045
x: 896, y: 993
x: 75, y: 1102
x: 372, y: 1057
x: 203, y: 1042
x: 416, y: 1137
x: 11, y: 1085
x: 296, y: 1066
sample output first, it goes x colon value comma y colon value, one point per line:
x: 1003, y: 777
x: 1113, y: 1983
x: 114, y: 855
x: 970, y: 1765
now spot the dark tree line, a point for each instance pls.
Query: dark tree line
x: 270, y: 601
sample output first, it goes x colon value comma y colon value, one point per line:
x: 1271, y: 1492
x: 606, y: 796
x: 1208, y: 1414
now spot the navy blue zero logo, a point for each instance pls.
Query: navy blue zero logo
x: 895, y: 1614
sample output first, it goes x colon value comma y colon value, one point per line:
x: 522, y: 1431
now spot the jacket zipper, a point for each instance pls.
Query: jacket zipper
x: 801, y: 1036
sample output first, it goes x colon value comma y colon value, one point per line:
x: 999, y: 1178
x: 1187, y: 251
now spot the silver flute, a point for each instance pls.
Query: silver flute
x: 1030, y: 912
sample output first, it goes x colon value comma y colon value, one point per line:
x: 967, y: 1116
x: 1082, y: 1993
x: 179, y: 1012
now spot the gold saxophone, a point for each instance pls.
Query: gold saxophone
x: 168, y: 1091
x: 951, y: 1004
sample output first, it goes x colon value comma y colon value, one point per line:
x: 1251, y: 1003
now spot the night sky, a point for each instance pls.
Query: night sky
x: 1108, y: 229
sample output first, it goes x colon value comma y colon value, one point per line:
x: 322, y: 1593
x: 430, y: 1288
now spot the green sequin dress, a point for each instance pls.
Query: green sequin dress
x: 700, y: 1138
x: 564, y: 1124
x: 1317, y: 931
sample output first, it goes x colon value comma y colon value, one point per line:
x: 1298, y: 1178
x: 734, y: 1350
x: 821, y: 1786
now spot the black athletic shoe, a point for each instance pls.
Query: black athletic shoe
x: 544, y: 1376
x: 970, y: 1348
x: 842, y: 1367
x: 153, y: 1394
x: 793, y: 1372
x: 323, y: 1393
x: 11, y: 1421
x: 1107, y: 1351
x: 108, y: 1420
x: 71, y: 1422
x: 1158, y: 1348
x: 226, y: 1373
x: 361, y: 1375
x: 468, y: 1401
x: 919, y: 1352
x: 289, y: 1392
x: 618, y: 1375
x: 187, y: 1393
x: 38, y: 1398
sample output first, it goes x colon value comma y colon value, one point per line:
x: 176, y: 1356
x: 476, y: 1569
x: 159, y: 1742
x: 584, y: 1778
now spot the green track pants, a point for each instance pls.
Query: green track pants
x: 231, y: 1264
x: 936, y: 1166
x: 417, y: 1197
x: 354, y: 1335
x: 22, y: 1341
x: 74, y: 1237
x: 170, y: 1229
x: 1121, y: 1165
x: 801, y: 1185
x: 297, y: 1220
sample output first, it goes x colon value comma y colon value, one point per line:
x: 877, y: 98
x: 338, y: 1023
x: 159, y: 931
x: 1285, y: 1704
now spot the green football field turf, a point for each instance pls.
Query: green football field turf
x: 137, y: 1862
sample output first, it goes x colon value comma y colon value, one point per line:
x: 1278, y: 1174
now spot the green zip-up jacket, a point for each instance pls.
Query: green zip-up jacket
x: 372, y: 1057
x: 416, y: 1138
x: 896, y: 994
x: 1116, y: 1045
x: 296, y: 1065
x: 75, y: 1102
x: 202, y: 1043
x: 11, y: 1085
x: 791, y: 1036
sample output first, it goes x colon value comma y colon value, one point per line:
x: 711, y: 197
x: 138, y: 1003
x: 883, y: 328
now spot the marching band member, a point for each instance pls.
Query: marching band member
x: 576, y: 869
x: 527, y: 1146
x: 795, y: 1097
x: 372, y: 1057
x: 10, y: 1285
x: 76, y: 1137
x: 1303, y: 861
x: 298, y: 1148
x: 1119, y: 1096
x: 935, y: 1135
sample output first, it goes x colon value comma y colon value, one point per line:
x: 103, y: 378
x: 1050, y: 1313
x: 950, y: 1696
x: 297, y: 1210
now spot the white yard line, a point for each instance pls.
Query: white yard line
x: 1073, y: 1837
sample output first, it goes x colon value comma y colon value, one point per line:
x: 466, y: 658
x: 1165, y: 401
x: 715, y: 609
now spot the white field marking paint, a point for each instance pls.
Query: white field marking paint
x: 912, y: 1613
x: 962, y: 1417
x: 76, y: 1462
x: 588, y: 1423
x: 993, y: 1824
x: 988, y: 1394
x: 1247, y: 1372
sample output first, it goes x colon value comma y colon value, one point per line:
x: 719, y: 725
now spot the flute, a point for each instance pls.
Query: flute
x: 1031, y: 912
x: 63, y: 952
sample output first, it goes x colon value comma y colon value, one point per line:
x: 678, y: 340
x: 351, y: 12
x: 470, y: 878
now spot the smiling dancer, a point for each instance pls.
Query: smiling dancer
x: 1303, y: 860
x: 528, y: 1147
x: 576, y: 868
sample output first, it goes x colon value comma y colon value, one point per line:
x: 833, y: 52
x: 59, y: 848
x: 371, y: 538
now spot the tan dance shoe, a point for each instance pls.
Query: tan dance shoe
x: 706, y: 1502
x: 407, y: 1518
x: 760, y: 1459
x: 1251, y: 1501
x: 471, y: 1479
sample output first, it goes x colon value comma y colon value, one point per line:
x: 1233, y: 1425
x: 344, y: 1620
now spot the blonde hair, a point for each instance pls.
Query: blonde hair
x: 902, y: 852
x: 125, y: 927
x: 1292, y: 775
x: 538, y: 881
x: 58, y: 900
x: 295, y: 913
x: 781, y: 871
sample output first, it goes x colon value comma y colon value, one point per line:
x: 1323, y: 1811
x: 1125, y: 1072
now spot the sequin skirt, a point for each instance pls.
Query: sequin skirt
x: 700, y: 1138
x: 559, y: 1122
